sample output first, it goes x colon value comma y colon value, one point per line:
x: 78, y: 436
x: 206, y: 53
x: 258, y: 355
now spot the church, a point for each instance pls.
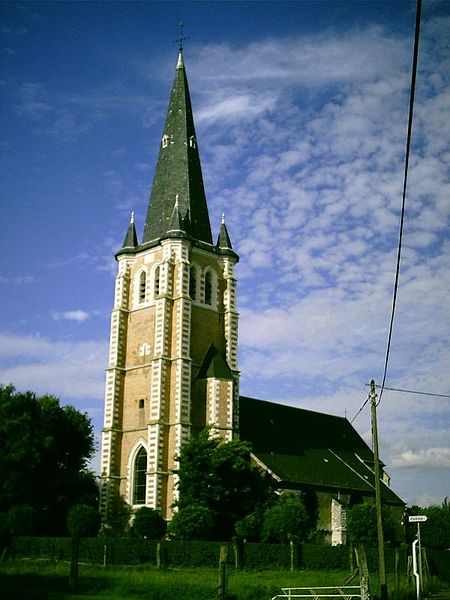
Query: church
x: 173, y: 358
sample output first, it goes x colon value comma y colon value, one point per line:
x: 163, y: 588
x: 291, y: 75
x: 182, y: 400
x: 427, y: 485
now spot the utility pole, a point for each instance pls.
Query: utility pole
x: 381, y: 565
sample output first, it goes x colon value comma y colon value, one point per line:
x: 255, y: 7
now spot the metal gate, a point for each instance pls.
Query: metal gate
x: 346, y: 592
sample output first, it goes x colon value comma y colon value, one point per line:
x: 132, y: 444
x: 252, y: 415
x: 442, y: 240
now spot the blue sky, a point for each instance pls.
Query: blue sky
x: 301, y: 112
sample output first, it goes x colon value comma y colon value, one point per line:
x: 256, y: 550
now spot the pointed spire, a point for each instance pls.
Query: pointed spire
x: 178, y: 172
x: 177, y: 225
x: 224, y: 241
x: 130, y: 240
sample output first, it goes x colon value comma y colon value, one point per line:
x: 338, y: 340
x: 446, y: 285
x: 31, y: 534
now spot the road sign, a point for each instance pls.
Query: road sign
x: 417, y: 519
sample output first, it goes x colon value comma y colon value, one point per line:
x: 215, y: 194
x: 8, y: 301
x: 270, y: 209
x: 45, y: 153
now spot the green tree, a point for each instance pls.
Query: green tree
x: 435, y: 532
x: 83, y: 520
x: 362, y: 525
x: 44, y: 452
x: 23, y: 520
x: 219, y: 476
x: 193, y: 523
x: 148, y: 523
x: 287, y: 519
x: 250, y: 526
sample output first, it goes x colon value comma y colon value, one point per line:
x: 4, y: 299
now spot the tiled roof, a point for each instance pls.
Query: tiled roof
x: 178, y: 175
x: 306, y: 448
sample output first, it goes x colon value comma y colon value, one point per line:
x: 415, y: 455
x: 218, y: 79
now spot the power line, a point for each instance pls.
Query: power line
x: 365, y: 402
x: 415, y: 392
x: 404, y: 392
x: 405, y: 179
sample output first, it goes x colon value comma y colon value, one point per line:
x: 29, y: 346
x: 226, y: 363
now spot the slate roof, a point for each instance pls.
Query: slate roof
x: 223, y: 239
x: 178, y: 175
x: 177, y: 206
x: 215, y: 366
x: 303, y: 448
x: 130, y: 241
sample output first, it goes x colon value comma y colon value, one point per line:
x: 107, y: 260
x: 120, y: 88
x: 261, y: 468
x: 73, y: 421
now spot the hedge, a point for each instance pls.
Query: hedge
x: 206, y: 554
x: 439, y: 563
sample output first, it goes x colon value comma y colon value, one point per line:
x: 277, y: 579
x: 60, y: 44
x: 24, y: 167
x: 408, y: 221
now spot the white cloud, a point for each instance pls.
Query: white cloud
x: 427, y: 499
x: 237, y: 108
x: 71, y: 369
x: 431, y: 458
x: 71, y: 315
x: 312, y: 191
x: 17, y: 280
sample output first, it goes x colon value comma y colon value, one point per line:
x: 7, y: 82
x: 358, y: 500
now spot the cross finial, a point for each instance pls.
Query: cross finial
x: 181, y: 37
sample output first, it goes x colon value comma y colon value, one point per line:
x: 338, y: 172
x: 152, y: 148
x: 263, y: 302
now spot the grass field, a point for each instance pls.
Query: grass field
x: 44, y: 580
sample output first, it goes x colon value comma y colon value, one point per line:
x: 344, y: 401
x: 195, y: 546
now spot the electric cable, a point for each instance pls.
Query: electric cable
x: 405, y: 179
x: 415, y: 392
x: 365, y: 402
x: 402, y: 215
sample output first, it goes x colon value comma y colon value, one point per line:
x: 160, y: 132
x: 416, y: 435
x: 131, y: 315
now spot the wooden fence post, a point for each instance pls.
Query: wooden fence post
x: 223, y: 573
x: 361, y: 561
x: 238, y: 546
x: 396, y: 568
x: 73, y: 577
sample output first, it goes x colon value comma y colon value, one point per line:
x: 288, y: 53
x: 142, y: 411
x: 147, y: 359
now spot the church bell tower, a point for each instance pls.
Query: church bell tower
x: 172, y: 366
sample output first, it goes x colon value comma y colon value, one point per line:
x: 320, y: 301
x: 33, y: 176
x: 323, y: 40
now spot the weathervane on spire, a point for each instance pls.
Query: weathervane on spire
x: 181, y: 37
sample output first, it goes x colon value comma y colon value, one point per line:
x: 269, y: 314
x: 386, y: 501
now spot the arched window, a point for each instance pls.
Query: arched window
x: 157, y: 278
x: 208, y: 288
x: 193, y: 283
x: 140, y: 476
x: 142, y: 286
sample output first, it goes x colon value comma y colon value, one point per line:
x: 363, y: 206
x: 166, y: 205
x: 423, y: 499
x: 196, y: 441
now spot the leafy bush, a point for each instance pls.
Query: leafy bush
x: 193, y: 523
x: 23, y: 520
x: 250, y: 526
x: 83, y: 520
x: 259, y: 556
x: 435, y: 533
x: 194, y: 553
x: 218, y: 476
x: 287, y: 519
x: 362, y: 525
x: 148, y: 524
x: 324, y: 557
x: 439, y: 563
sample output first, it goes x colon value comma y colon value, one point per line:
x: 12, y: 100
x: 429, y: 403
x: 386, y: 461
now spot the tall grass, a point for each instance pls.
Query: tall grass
x: 44, y: 580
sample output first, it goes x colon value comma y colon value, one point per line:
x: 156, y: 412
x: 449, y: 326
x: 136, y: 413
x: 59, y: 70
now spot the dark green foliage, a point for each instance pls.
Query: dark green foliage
x: 362, y: 525
x: 217, y: 476
x: 435, y: 532
x: 193, y: 523
x: 196, y: 553
x: 83, y: 520
x: 249, y: 527
x: 148, y: 524
x: 439, y: 563
x: 44, y: 451
x: 118, y: 522
x: 286, y: 519
x: 274, y: 556
x: 131, y: 551
x: 23, y: 520
x: 324, y: 557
